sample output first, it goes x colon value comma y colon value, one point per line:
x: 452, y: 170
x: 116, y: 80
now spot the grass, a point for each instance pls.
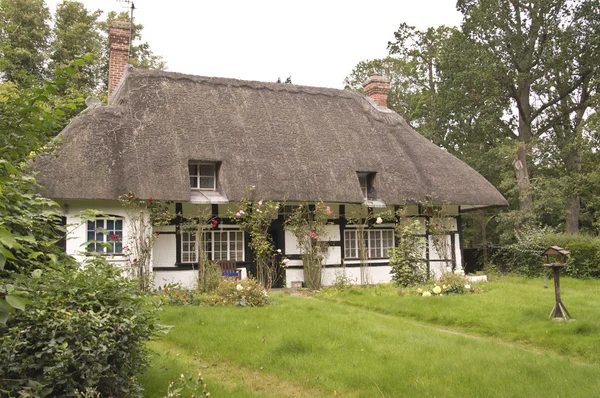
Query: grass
x: 374, y: 343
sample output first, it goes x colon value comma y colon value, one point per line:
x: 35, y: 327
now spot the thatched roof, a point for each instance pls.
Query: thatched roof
x: 290, y: 142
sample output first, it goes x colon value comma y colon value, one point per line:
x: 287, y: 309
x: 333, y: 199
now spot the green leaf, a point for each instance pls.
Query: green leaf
x: 34, y: 255
x: 7, y: 239
x: 16, y: 302
x: 4, y: 313
x: 2, y: 261
x: 37, y: 273
x: 7, y: 253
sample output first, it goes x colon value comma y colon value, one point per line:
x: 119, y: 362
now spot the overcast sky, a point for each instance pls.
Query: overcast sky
x: 317, y: 43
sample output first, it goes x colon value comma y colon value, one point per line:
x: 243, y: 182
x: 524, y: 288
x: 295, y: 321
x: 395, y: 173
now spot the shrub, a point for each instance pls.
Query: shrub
x: 525, y: 256
x: 176, y: 294
x: 453, y: 283
x: 84, y: 331
x: 246, y: 292
x: 406, y: 259
x: 211, y: 278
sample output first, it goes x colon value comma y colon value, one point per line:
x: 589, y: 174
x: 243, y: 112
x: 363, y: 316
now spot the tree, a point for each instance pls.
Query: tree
x: 24, y: 39
x: 520, y: 38
x: 76, y: 33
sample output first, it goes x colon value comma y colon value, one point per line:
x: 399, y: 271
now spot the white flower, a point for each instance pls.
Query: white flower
x: 426, y: 294
x: 241, y: 211
x: 467, y: 286
x: 437, y: 289
x: 448, y: 269
x: 379, y: 220
x: 285, y: 261
x: 239, y: 287
x: 278, y: 250
x: 260, y: 202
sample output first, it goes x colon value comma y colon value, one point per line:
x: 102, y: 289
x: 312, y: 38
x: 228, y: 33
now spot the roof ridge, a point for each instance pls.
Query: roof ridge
x: 254, y: 84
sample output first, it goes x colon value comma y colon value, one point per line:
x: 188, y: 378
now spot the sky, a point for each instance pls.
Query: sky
x: 317, y: 43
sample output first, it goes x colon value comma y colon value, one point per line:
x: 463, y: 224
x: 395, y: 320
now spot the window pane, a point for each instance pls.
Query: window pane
x: 207, y: 170
x: 207, y: 183
x: 110, y: 225
x: 193, y: 169
x: 193, y: 182
x: 119, y: 225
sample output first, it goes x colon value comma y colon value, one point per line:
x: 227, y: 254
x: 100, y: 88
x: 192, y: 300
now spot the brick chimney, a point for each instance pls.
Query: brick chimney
x: 377, y: 88
x: 118, y: 38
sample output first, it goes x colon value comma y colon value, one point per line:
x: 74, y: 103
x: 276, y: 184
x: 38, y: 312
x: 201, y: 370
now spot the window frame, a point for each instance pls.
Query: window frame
x: 104, y: 232
x: 381, y: 235
x: 198, y: 175
x: 234, y: 236
x: 366, y: 180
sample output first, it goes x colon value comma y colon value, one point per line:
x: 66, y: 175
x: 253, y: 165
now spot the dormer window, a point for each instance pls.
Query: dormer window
x: 203, y: 175
x: 367, y: 185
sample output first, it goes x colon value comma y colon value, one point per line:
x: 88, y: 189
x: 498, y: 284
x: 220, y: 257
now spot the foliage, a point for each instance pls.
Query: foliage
x: 24, y: 39
x: 406, y: 259
x: 211, y: 278
x: 245, y: 293
x: 188, y: 384
x: 176, y: 294
x: 85, y: 329
x: 255, y: 218
x: 524, y: 256
x: 141, y: 217
x: 308, y: 226
x: 342, y: 281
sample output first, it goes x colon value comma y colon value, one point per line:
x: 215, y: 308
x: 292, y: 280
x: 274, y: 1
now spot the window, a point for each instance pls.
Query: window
x: 104, y: 232
x: 376, y: 241
x: 367, y: 185
x: 219, y: 245
x: 203, y: 176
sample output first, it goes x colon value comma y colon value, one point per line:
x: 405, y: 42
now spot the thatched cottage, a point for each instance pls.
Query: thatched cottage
x: 202, y: 141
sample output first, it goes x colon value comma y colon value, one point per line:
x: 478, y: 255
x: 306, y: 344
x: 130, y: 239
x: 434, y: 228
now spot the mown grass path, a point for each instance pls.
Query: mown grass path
x: 344, y: 345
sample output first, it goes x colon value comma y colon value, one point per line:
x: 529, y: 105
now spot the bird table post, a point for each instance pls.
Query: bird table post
x: 559, y: 311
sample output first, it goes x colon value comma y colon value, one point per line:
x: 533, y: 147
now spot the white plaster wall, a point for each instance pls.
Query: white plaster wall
x: 164, y: 251
x: 380, y: 274
x: 77, y: 226
x: 186, y: 278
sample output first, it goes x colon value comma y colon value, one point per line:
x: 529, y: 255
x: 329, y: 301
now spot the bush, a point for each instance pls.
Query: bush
x: 246, y: 292
x: 175, y: 294
x: 406, y: 260
x: 525, y: 256
x: 211, y: 278
x: 84, y: 331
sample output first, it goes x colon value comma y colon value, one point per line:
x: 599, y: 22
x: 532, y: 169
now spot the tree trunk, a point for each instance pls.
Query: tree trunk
x: 522, y: 176
x: 573, y: 208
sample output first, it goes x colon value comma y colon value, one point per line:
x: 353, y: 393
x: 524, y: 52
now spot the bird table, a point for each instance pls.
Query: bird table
x: 559, y: 311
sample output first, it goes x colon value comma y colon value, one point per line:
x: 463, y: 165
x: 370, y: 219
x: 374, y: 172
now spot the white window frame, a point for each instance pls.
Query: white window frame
x: 99, y: 232
x: 198, y: 175
x: 375, y: 240
x: 235, y: 237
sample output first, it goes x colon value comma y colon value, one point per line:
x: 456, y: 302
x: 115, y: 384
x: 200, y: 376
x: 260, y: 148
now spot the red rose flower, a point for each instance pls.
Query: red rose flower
x: 149, y: 200
x: 113, y: 237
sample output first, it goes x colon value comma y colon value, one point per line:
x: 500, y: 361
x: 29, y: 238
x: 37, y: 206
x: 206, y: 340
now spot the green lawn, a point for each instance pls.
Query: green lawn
x: 374, y: 343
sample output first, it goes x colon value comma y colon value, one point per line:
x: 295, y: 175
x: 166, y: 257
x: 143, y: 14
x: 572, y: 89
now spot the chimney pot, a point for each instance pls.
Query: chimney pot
x: 118, y: 37
x: 377, y: 88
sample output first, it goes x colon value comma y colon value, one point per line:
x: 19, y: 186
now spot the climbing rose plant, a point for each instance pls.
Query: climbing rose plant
x: 309, y: 228
x: 255, y: 218
x: 142, y: 216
